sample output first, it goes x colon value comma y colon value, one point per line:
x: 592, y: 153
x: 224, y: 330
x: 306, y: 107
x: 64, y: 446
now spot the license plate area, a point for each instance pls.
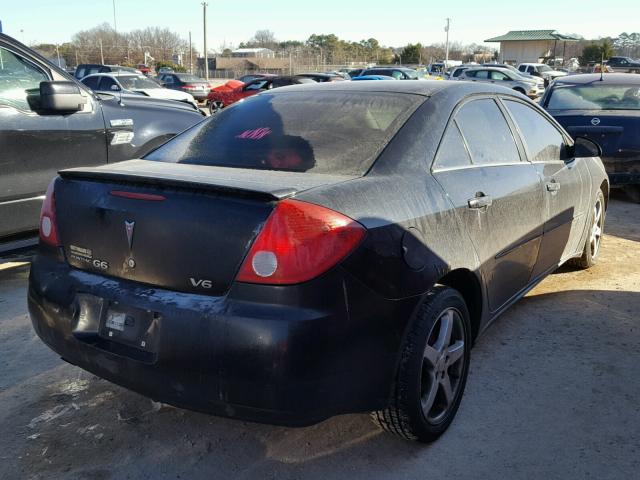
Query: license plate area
x: 131, y: 326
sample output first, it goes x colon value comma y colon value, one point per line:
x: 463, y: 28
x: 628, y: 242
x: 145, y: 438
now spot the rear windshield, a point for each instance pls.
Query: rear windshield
x: 320, y: 132
x: 594, y: 97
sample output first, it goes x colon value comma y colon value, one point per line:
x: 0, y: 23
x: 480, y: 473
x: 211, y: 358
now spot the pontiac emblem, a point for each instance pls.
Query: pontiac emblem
x: 129, y: 228
x: 595, y: 121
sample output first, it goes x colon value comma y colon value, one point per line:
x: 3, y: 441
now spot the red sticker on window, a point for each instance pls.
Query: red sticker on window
x: 255, y: 134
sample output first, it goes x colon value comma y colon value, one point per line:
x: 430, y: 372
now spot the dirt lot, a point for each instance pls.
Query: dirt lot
x: 553, y: 392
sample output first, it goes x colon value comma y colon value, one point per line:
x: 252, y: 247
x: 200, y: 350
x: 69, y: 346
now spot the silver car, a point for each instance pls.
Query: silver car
x: 532, y: 88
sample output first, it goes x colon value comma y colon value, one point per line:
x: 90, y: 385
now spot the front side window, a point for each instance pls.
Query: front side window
x: 108, y: 84
x: 487, y: 133
x: 499, y: 76
x: 18, y: 79
x: 543, y: 140
x: 482, y: 74
x: 91, y: 82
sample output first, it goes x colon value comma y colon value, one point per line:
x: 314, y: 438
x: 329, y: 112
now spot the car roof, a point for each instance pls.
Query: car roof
x: 425, y: 88
x: 607, y: 79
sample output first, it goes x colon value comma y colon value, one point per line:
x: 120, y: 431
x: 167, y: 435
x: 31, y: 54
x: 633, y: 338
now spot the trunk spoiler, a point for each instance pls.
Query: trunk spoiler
x: 264, y: 184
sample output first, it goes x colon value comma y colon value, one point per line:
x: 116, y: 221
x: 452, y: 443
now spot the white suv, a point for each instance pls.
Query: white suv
x: 541, y: 70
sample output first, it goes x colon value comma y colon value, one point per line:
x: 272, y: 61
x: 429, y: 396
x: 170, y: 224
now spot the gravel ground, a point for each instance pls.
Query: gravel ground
x: 553, y: 393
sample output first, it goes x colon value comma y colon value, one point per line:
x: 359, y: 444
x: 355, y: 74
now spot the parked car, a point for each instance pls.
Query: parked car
x: 373, y: 77
x: 399, y: 73
x: 198, y: 87
x: 607, y: 110
x: 624, y: 64
x: 162, y: 70
x: 504, y: 77
x: 145, y: 69
x: 50, y: 121
x: 85, y: 69
x: 541, y: 70
x: 254, y: 76
x: 321, y: 77
x: 457, y: 71
x: 334, y: 249
x: 131, y: 83
x: 229, y: 93
x: 356, y: 72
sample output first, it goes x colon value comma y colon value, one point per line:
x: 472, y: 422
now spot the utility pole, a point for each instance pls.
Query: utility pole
x: 101, y: 53
x: 190, y: 55
x: 446, y: 48
x: 58, y: 53
x: 206, y: 57
x: 115, y: 30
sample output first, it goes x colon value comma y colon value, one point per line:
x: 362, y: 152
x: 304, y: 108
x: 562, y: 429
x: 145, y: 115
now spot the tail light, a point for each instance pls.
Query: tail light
x: 298, y: 242
x: 48, y: 227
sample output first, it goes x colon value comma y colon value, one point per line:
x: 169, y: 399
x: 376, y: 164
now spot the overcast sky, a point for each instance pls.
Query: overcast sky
x: 392, y: 23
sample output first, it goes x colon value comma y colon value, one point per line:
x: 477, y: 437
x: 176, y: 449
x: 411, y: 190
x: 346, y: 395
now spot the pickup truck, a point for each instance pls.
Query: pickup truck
x: 49, y: 121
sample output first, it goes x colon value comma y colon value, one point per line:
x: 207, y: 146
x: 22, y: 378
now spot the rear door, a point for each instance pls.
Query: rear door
x: 496, y: 194
x: 34, y: 145
x: 565, y: 183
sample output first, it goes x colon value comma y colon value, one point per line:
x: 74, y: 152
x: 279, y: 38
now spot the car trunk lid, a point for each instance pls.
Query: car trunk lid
x: 179, y: 227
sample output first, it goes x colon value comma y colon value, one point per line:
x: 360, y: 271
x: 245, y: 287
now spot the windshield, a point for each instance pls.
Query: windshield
x: 327, y: 132
x: 137, y: 83
x: 185, y: 77
x: 594, y: 97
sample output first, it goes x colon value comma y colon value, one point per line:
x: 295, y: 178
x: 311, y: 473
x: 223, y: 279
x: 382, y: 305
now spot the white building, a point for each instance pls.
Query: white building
x: 530, y: 46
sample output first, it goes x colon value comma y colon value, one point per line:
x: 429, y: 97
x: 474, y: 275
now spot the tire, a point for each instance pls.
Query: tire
x: 593, y: 242
x: 633, y: 192
x: 215, y: 106
x: 420, y: 408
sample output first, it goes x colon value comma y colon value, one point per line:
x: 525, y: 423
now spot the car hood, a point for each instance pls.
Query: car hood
x: 166, y: 93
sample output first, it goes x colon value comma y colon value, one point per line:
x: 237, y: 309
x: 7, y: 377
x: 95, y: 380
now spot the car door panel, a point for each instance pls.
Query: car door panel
x: 490, y: 196
x: 36, y: 144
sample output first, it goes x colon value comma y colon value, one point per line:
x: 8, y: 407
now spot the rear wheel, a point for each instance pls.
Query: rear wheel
x: 433, y: 369
x: 633, y: 192
x: 215, y: 106
x: 592, y: 244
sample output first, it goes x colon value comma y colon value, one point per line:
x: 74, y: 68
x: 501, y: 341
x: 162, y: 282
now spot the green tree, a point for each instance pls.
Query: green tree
x: 595, y: 51
x: 411, y: 54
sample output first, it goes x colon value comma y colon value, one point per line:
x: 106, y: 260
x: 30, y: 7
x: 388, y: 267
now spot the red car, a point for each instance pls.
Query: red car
x: 235, y: 90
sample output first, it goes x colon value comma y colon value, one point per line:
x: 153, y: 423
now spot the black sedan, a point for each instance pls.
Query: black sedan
x: 316, y: 250
x: 605, y: 109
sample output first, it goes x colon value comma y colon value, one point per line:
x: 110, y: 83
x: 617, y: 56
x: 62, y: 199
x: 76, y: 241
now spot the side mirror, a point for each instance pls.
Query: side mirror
x: 115, y: 88
x: 585, y: 147
x: 61, y: 96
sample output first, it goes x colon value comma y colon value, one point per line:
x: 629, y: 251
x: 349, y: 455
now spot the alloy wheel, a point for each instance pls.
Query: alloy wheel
x: 215, y: 106
x: 442, y: 365
x: 596, y: 228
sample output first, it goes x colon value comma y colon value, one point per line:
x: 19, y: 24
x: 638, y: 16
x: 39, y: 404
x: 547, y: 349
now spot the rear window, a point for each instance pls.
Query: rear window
x: 594, y: 97
x: 320, y: 132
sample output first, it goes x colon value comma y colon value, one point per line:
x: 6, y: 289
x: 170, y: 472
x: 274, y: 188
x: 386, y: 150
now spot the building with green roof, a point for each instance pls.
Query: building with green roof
x: 530, y: 46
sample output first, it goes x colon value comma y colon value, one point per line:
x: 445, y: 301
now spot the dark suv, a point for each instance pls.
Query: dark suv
x: 624, y: 64
x: 49, y: 121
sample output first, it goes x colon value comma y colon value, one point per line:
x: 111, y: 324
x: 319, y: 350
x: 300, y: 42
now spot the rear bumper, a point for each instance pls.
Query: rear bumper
x: 257, y: 354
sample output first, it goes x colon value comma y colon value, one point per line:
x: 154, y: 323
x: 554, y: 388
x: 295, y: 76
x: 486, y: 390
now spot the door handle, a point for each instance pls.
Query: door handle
x: 553, y: 186
x: 480, y: 201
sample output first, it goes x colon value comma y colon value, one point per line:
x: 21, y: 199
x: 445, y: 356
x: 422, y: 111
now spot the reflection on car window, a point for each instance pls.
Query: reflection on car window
x: 452, y: 151
x: 17, y: 78
x: 487, y: 133
x: 329, y: 132
x: 544, y: 141
x: 594, y: 97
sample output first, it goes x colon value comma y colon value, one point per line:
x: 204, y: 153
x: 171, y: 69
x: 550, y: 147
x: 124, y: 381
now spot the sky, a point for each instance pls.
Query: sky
x: 391, y: 23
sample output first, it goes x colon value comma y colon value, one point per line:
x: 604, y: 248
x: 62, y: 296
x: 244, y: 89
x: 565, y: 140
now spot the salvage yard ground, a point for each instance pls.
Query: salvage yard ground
x: 553, y: 392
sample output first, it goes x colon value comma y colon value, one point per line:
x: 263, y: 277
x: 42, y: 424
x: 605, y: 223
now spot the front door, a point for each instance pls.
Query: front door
x: 34, y: 145
x: 496, y: 194
x: 564, y: 181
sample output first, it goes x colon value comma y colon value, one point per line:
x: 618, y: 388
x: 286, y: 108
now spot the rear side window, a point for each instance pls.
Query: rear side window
x: 543, y: 140
x: 91, y: 82
x: 326, y: 132
x: 471, y: 73
x: 452, y: 152
x: 487, y: 133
